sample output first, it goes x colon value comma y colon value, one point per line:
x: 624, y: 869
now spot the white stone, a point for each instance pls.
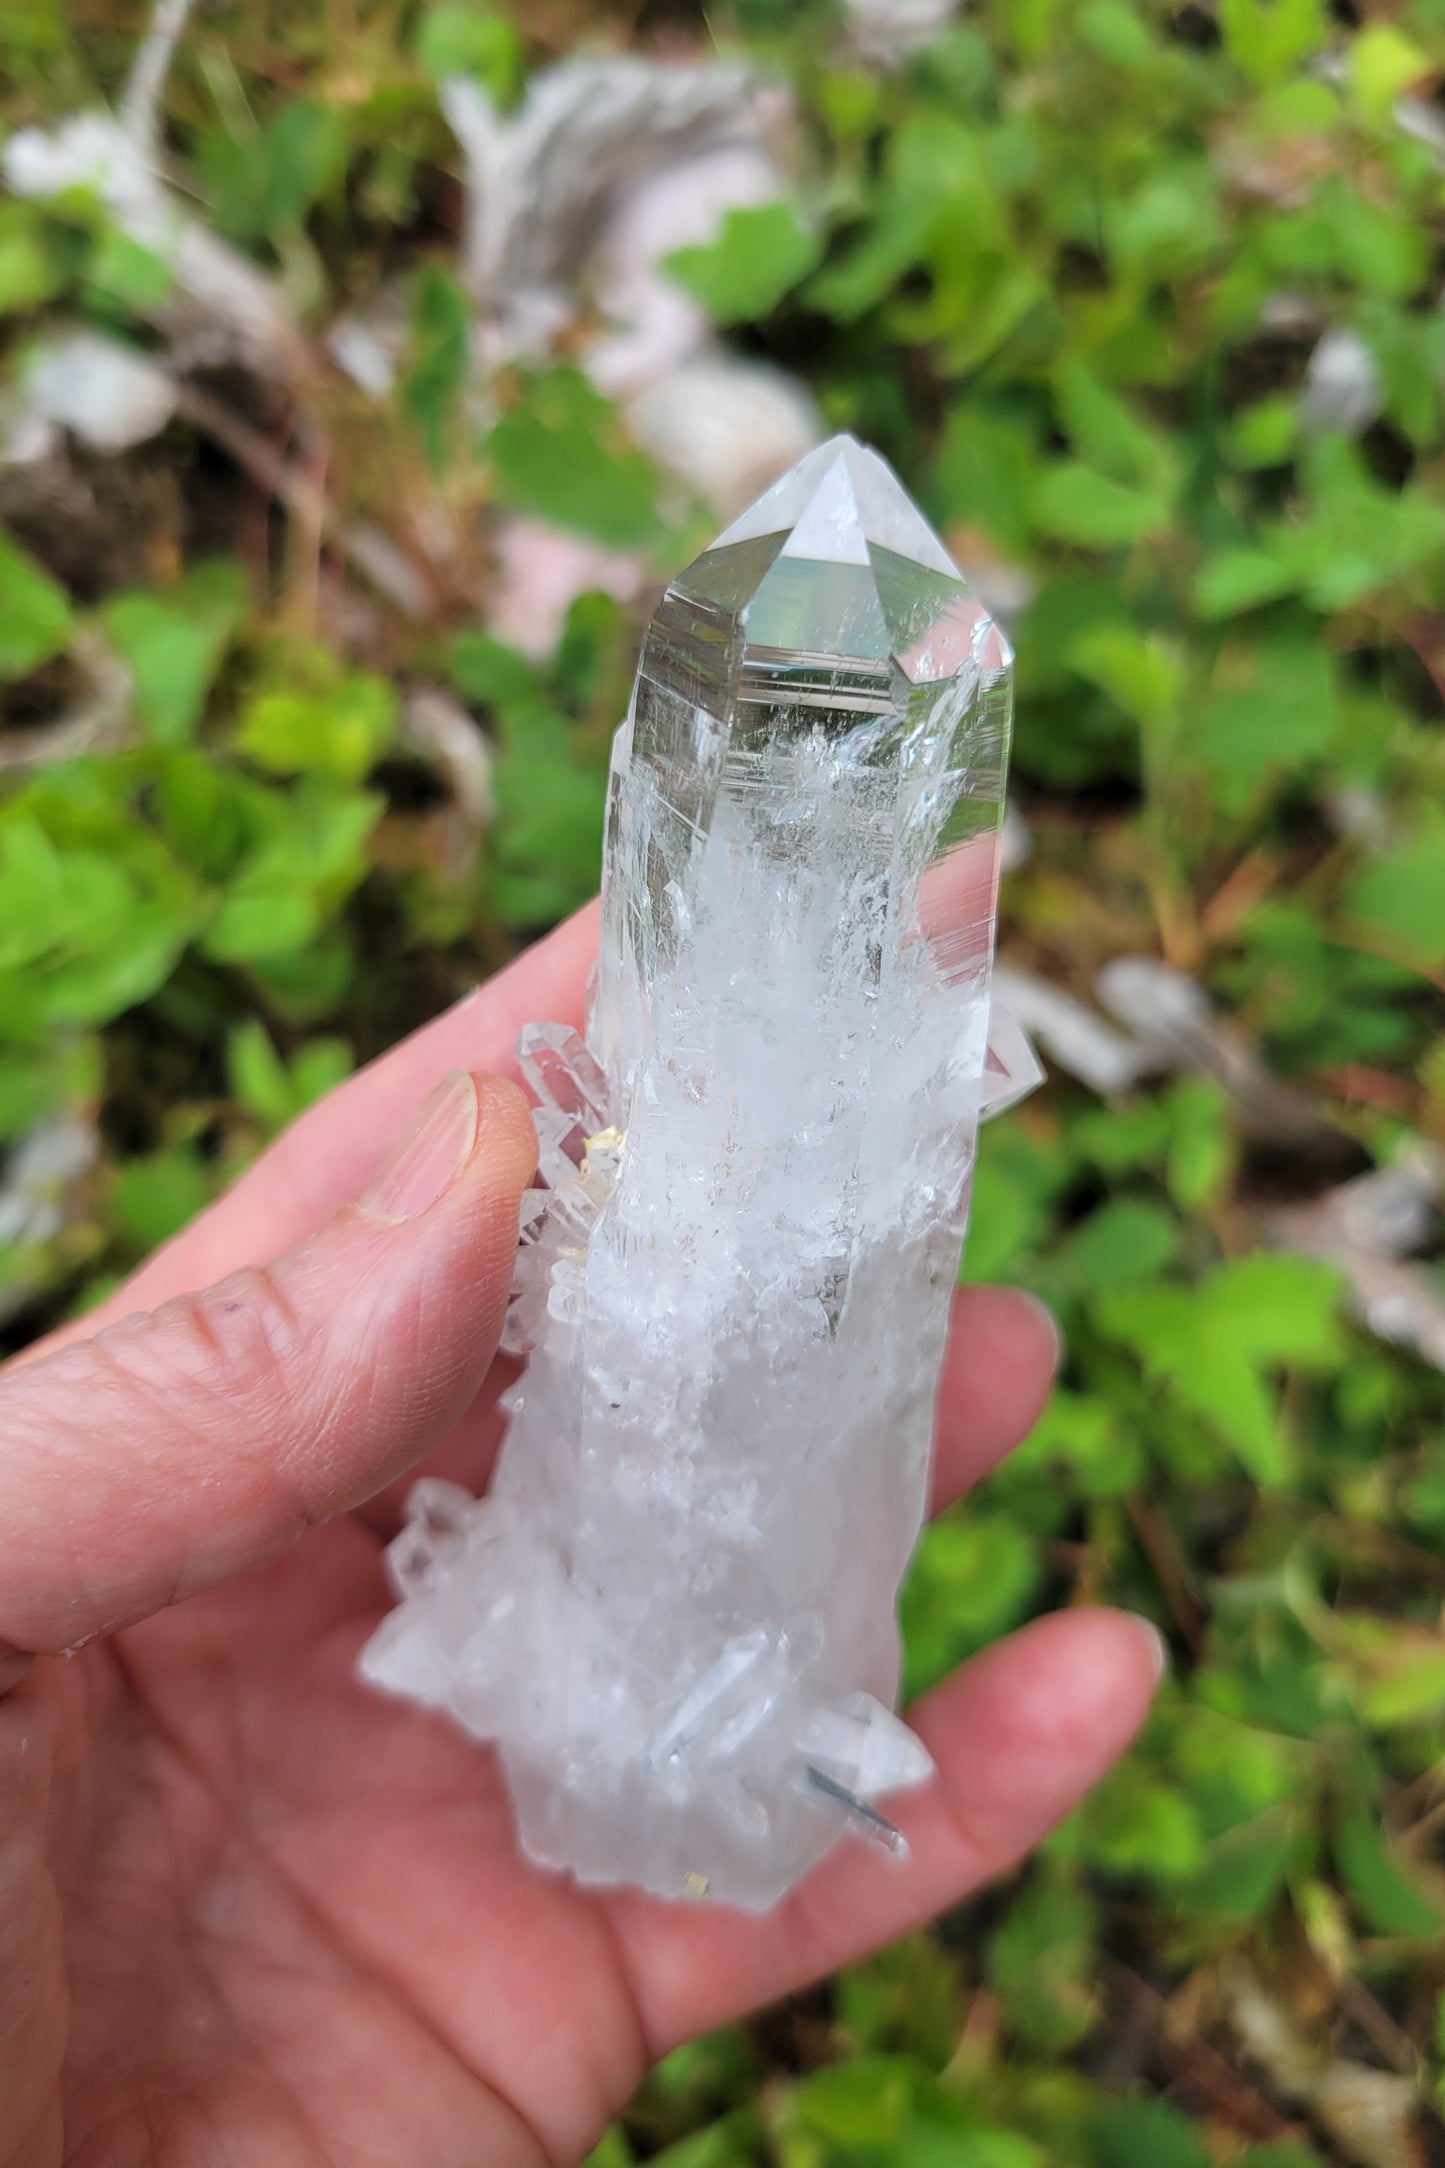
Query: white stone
x: 726, y: 426
x: 105, y: 391
x: 675, y: 1611
x: 1342, y: 388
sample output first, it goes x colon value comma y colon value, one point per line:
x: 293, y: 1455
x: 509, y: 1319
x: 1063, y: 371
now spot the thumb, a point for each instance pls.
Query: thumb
x: 188, y: 1442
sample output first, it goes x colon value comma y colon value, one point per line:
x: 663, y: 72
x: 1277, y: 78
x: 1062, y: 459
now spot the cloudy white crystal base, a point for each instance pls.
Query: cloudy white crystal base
x: 674, y: 1613
x: 611, y: 1744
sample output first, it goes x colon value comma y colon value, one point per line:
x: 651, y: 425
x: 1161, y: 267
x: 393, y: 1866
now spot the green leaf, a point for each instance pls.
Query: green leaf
x: 492, y: 674
x: 1144, y: 2134
x: 304, y: 985
x: 1202, y: 1146
x: 1136, y: 1824
x: 1407, y: 1684
x: 264, y: 183
x: 125, y: 275
x: 560, y: 453
x: 1086, y: 1441
x: 613, y: 2152
x: 305, y: 855
x: 263, y: 914
x: 1124, y: 1138
x: 155, y: 1197
x: 982, y: 474
x: 34, y: 1083
x: 273, y: 1091
x: 1267, y: 38
x: 1271, y: 708
x: 972, y: 1577
x: 340, y: 733
x: 1263, y: 435
x: 1390, y: 1900
x: 1126, y: 1239
x: 1404, y: 894
x: 1141, y: 672
x: 938, y: 195
x: 1015, y: 1187
x: 728, y: 2144
x: 87, y: 929
x: 35, y: 613
x: 1107, y: 434
x: 1382, y: 64
x: 1358, y: 537
x: 28, y: 275
x: 1235, y: 1770
x: 1278, y: 1308
x: 174, y: 644
x: 1235, y: 580
x: 1113, y: 31
x: 1241, y: 1871
x: 317, y: 1068
x: 760, y: 254
x: 460, y: 39
x: 1168, y: 227
x: 258, y: 1075
x: 1008, y: 1216
x: 968, y: 2149
x: 1078, y: 504
x: 1212, y: 1347
x: 863, y: 2102
x: 441, y: 361
x: 1042, y: 1963
x: 306, y: 148
x: 551, y: 830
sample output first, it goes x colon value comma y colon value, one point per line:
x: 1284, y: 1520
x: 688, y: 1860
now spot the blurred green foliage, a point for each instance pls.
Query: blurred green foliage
x: 1067, y: 264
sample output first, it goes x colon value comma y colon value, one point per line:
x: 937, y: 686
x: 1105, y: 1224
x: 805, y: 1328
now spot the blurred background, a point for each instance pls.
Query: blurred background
x: 365, y: 367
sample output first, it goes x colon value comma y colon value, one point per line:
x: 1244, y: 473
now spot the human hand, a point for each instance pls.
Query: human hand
x: 250, y: 1912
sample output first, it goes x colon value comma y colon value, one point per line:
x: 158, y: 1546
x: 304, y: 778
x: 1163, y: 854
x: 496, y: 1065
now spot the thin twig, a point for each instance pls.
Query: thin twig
x: 140, y: 104
x: 97, y: 722
x: 1194, y: 2061
x: 296, y: 487
x: 1171, y: 1570
x: 1378, y: 2026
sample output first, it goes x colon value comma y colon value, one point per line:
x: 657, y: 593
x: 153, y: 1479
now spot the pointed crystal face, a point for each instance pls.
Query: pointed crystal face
x: 825, y: 650
x: 836, y: 560
x: 836, y: 505
x: 675, y: 1610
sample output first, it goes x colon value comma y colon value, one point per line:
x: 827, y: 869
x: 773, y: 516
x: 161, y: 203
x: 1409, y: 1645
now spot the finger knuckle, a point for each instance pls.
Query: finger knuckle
x: 232, y: 1343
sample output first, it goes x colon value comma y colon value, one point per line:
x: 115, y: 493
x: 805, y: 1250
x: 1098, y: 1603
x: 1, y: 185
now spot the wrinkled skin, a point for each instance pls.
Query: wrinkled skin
x: 252, y: 1914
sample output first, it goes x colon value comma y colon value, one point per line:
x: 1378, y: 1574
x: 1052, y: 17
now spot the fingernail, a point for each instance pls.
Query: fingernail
x: 430, y: 1157
x: 1046, y: 1319
x: 1157, y: 1645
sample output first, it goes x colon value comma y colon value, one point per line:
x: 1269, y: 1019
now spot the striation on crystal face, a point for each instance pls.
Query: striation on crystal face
x: 675, y: 1611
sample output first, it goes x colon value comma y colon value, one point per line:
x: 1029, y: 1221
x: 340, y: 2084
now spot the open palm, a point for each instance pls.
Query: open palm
x: 251, y: 1913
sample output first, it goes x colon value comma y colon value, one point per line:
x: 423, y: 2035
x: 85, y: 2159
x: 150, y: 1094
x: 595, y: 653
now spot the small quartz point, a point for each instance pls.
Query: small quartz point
x: 674, y: 1613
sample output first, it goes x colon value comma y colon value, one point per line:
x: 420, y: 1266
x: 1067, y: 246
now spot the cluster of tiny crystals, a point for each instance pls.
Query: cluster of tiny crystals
x: 675, y: 1612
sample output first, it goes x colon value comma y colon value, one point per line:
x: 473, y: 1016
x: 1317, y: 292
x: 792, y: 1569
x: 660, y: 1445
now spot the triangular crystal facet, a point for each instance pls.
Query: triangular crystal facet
x: 829, y: 529
x: 836, y: 505
x: 1011, y: 1068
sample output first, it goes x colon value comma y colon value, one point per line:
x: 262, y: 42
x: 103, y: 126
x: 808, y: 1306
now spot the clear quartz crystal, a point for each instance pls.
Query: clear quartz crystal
x: 675, y: 1611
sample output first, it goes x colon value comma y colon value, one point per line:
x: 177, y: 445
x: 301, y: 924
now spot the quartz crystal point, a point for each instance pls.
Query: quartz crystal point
x: 675, y: 1611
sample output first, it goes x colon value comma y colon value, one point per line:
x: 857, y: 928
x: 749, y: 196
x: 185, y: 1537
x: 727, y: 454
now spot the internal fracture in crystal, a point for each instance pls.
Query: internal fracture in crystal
x: 674, y: 1613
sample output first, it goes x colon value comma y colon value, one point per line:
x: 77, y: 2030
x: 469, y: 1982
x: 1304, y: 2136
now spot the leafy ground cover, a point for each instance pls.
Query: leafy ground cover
x: 1143, y: 301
